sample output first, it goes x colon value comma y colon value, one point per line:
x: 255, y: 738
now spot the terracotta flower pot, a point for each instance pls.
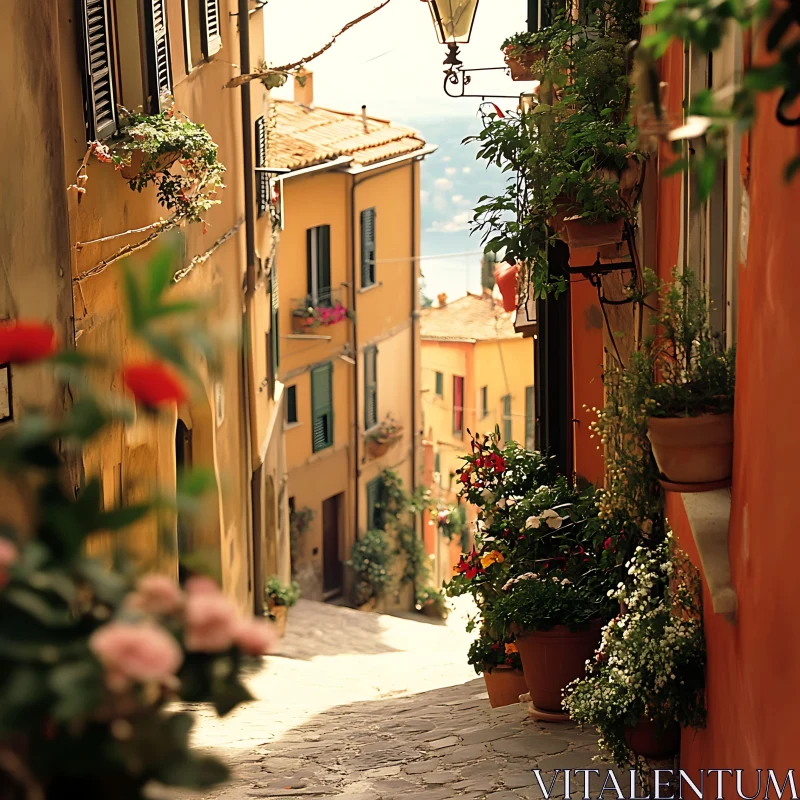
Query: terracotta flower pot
x: 505, y: 276
x: 693, y: 450
x: 505, y: 685
x: 552, y: 659
x: 521, y: 65
x: 302, y: 324
x: 134, y: 169
x: 651, y: 741
x: 280, y: 613
x: 377, y: 449
x: 581, y: 233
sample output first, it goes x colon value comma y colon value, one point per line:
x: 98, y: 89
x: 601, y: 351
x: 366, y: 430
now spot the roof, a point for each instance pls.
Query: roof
x: 473, y: 318
x: 305, y: 137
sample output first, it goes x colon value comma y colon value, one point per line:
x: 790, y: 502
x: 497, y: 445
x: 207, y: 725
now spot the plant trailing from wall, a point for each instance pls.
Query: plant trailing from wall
x: 371, y: 559
x: 93, y: 659
x: 170, y: 152
x: 281, y: 594
x: 650, y: 665
x: 702, y: 25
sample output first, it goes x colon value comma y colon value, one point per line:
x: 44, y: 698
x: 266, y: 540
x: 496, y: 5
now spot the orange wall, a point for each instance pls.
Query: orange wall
x: 753, y: 680
x: 587, y: 372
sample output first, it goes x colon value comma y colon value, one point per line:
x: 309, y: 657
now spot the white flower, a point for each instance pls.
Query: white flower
x: 552, y: 519
x: 533, y: 522
x: 511, y: 501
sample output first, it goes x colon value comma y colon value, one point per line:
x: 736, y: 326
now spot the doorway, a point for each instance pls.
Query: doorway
x: 332, y: 567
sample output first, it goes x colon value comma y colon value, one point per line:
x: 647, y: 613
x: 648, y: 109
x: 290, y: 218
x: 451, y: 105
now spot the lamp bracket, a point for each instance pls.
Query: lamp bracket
x: 457, y: 76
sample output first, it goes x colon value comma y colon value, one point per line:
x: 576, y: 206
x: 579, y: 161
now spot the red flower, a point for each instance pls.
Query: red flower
x: 607, y: 543
x: 154, y: 384
x: 498, y: 111
x: 23, y: 342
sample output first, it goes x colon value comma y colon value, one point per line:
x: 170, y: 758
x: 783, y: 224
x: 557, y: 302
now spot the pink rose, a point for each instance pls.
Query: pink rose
x: 156, y: 594
x: 202, y: 584
x: 8, y: 556
x: 135, y: 652
x: 210, y: 621
x: 256, y: 637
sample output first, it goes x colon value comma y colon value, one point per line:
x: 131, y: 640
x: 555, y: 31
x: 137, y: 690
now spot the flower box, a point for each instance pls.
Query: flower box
x: 308, y: 317
x: 302, y: 323
x: 582, y: 233
x: 521, y: 63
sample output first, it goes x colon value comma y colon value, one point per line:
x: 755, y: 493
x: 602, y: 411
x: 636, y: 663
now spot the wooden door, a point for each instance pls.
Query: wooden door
x: 331, y: 553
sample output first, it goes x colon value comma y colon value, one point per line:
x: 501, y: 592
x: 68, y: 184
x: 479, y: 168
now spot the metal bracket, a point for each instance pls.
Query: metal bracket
x: 456, y: 75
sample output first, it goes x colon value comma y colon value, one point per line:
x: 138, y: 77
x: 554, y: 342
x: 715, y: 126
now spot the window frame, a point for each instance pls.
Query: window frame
x: 370, y: 387
x: 458, y: 410
x: 318, y: 245
x: 291, y: 405
x: 508, y: 422
x: 439, y: 384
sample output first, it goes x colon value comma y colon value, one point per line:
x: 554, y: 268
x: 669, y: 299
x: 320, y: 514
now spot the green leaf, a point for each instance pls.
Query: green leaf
x: 109, y: 587
x: 122, y: 517
x: 193, y: 772
x: 706, y: 175
x: 78, y: 687
x: 37, y: 606
x: 136, y: 309
x: 791, y: 169
x: 160, y: 270
x: 229, y: 697
x: 678, y: 166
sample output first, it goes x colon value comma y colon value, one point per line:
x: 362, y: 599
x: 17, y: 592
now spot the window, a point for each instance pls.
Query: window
x: 530, y: 418
x: 274, y: 331
x: 318, y: 260
x: 507, y: 428
x: 370, y: 387
x: 458, y: 406
x: 159, y: 68
x: 201, y: 27
x: 440, y: 384
x: 437, y: 463
x: 367, y: 247
x: 262, y: 179
x: 375, y: 515
x: 485, y: 401
x: 322, y: 407
x: 291, y: 405
x: 100, y: 91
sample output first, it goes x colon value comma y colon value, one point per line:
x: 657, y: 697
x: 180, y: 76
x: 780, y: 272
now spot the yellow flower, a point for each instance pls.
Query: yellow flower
x: 494, y: 557
x: 511, y: 648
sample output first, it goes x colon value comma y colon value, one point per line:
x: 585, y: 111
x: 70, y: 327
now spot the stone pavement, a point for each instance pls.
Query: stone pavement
x: 364, y: 706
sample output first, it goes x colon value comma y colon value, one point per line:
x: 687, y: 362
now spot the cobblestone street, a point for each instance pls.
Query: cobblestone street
x: 374, y: 707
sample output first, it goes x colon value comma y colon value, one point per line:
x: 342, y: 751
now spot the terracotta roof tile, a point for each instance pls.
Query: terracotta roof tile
x: 474, y: 318
x: 304, y: 137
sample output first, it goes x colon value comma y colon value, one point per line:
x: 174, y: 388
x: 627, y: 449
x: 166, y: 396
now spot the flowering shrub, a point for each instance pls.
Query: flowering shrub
x: 651, y: 661
x: 322, y: 314
x: 91, y: 658
x: 487, y: 654
x: 159, y: 141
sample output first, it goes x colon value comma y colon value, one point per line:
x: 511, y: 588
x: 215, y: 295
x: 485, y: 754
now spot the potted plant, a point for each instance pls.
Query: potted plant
x: 646, y: 680
x: 525, y: 54
x: 145, y: 150
x: 311, y: 315
x: 432, y: 603
x: 370, y: 559
x: 688, y: 388
x: 383, y: 436
x: 501, y: 667
x: 280, y: 598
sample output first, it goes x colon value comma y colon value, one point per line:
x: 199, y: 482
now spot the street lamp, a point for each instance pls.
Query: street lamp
x: 453, y: 20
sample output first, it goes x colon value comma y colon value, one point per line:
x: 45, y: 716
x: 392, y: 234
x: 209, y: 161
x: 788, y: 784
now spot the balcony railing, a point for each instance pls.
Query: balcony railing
x: 324, y: 309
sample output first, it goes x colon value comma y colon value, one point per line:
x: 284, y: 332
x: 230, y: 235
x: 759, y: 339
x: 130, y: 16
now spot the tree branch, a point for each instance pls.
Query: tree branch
x: 288, y: 68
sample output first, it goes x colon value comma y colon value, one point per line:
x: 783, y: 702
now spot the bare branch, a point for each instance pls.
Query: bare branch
x: 288, y: 68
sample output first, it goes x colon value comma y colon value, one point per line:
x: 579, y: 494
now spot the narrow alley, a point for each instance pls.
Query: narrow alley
x: 375, y: 707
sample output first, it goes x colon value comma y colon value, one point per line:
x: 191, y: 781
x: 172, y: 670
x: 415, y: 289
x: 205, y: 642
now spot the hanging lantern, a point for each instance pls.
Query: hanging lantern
x: 453, y: 19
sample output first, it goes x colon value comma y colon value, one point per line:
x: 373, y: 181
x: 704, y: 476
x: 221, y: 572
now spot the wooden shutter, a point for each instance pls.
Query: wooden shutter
x: 370, y: 387
x: 159, y: 69
x: 262, y: 179
x: 324, y: 264
x: 322, y: 407
x: 291, y: 404
x: 507, y: 429
x: 275, y: 345
x: 458, y: 405
x: 529, y: 418
x: 440, y: 384
x: 368, y: 247
x: 101, y: 99
x: 210, y: 27
x: 375, y: 515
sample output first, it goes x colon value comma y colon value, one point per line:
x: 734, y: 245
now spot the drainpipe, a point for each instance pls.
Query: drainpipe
x: 414, y: 322
x: 250, y: 287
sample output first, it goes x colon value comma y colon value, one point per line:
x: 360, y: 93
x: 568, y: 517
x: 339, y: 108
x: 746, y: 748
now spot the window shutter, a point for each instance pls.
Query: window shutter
x: 375, y: 516
x: 275, y: 344
x: 458, y: 405
x: 262, y: 179
x: 324, y: 264
x: 291, y: 404
x: 159, y: 77
x: 371, y: 387
x: 507, y: 429
x: 529, y: 418
x: 311, y: 265
x: 322, y: 407
x: 368, y: 247
x: 440, y: 384
x: 101, y: 100
x: 211, y: 27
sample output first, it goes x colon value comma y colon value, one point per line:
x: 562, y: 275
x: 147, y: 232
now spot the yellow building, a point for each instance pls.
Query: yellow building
x: 477, y: 373
x: 349, y: 193
x: 69, y: 66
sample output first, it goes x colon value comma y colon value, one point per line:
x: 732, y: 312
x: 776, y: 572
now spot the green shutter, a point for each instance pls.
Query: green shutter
x: 262, y: 179
x: 375, y: 517
x: 368, y: 247
x: 291, y: 404
x: 530, y: 434
x: 99, y: 80
x: 322, y: 407
x: 211, y: 27
x: 437, y: 463
x: 324, y: 265
x: 275, y: 343
x: 485, y: 401
x: 370, y: 387
x: 159, y: 69
x: 440, y: 384
x: 507, y: 429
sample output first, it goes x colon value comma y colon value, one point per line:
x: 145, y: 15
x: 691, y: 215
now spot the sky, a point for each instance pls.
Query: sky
x: 392, y: 63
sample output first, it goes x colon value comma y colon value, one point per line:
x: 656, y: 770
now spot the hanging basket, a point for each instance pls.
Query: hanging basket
x: 522, y: 64
x: 380, y: 447
x: 580, y: 233
x: 133, y: 170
